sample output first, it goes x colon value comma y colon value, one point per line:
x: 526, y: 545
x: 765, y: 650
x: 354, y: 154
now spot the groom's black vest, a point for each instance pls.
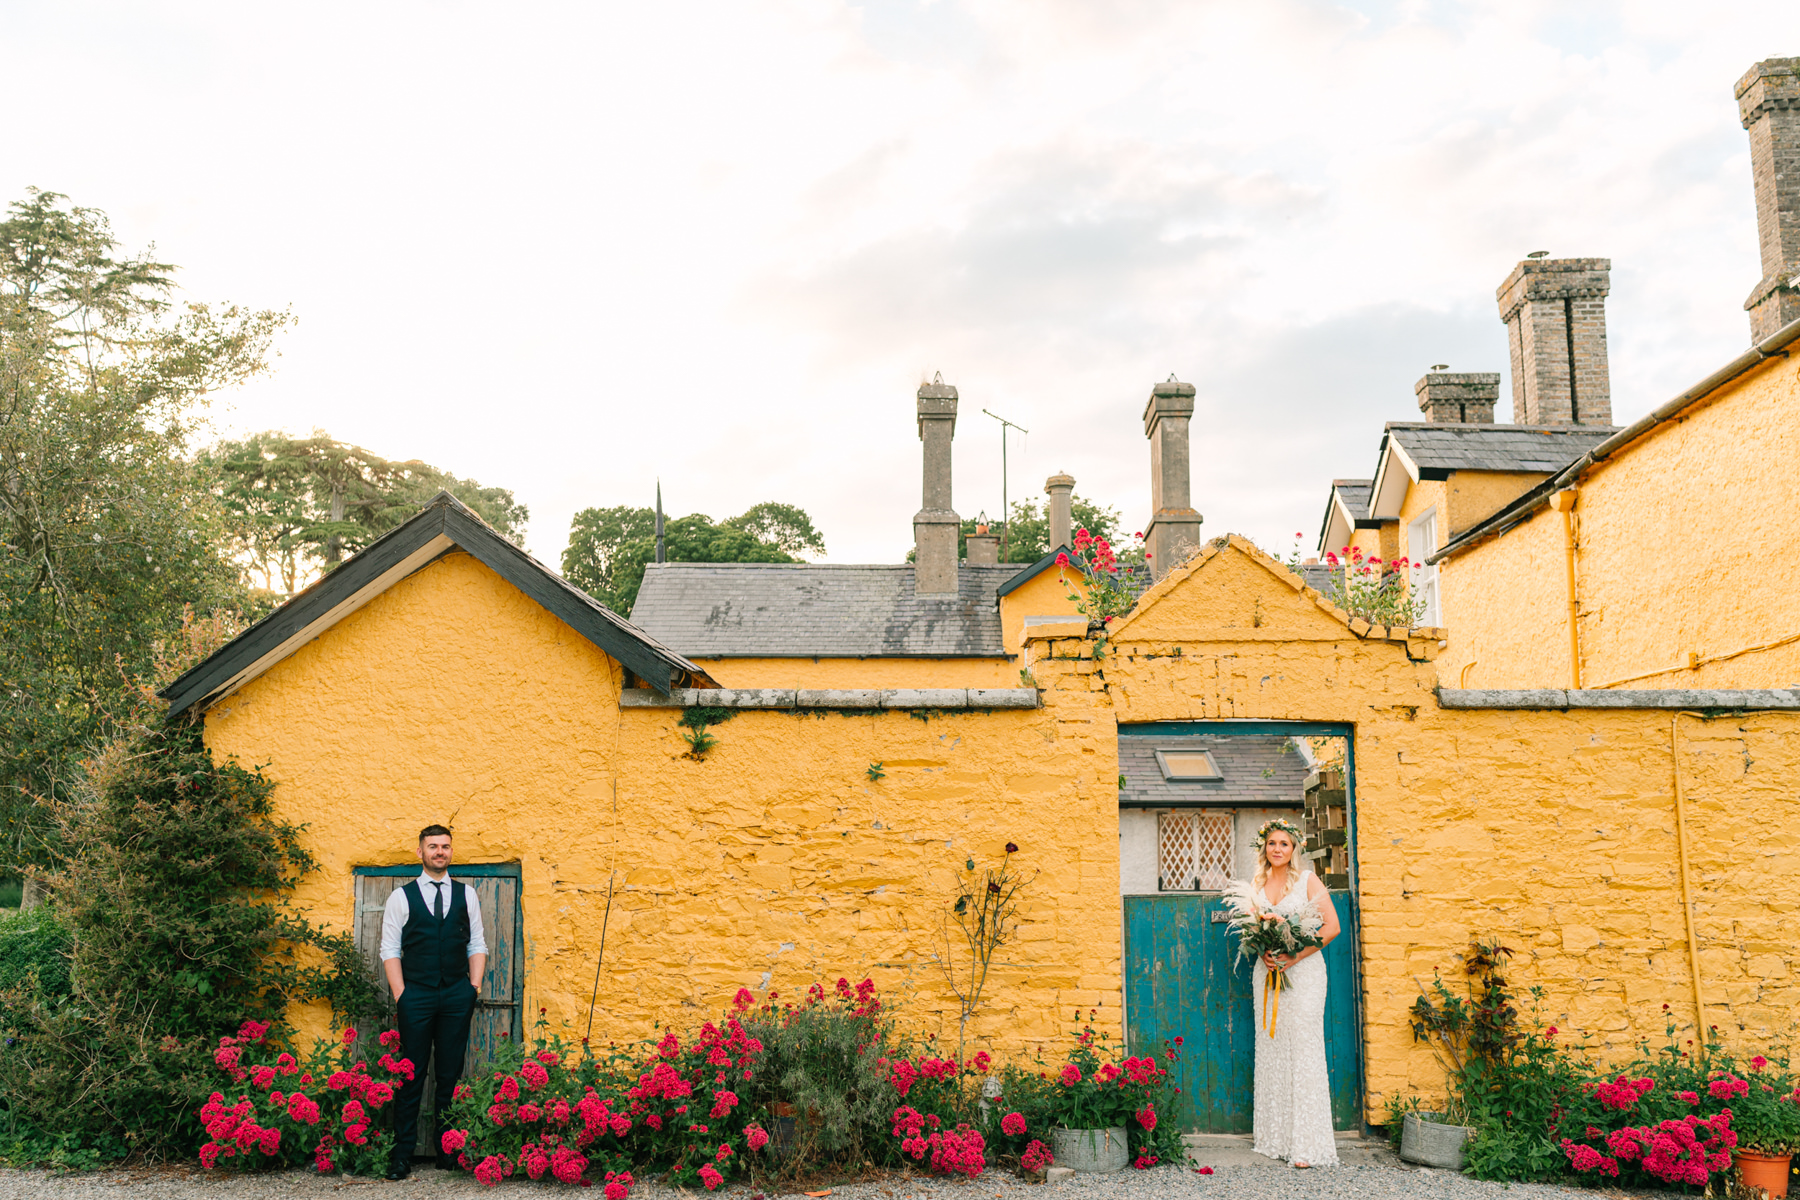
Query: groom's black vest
x: 434, y: 952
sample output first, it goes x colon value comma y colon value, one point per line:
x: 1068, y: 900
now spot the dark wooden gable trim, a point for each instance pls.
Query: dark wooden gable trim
x: 1035, y: 569
x: 444, y: 524
x: 563, y: 600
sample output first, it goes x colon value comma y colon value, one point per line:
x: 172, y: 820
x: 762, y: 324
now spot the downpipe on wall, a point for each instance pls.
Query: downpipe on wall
x: 1687, y: 894
x: 1564, y: 503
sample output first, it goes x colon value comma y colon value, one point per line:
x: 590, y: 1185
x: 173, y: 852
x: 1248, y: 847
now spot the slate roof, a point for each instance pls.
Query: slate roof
x: 1257, y: 772
x: 1436, y: 447
x: 805, y: 610
x: 1355, y: 495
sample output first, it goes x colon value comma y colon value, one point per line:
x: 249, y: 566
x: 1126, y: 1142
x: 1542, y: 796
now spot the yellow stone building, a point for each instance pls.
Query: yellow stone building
x: 879, y: 728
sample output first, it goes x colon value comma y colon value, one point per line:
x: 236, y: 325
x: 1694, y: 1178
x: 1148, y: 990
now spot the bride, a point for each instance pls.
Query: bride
x: 1293, y: 1093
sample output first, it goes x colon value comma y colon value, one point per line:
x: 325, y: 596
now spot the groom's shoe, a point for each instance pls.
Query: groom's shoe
x: 399, y: 1169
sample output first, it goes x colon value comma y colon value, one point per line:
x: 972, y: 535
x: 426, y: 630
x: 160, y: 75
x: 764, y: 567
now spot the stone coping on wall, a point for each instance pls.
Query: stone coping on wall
x: 1707, y: 699
x: 833, y: 698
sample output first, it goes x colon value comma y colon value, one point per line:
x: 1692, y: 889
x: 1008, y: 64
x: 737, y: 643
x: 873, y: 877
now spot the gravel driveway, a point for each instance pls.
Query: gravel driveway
x: 1237, y: 1182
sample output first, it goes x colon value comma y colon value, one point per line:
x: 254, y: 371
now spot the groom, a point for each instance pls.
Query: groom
x: 433, y: 953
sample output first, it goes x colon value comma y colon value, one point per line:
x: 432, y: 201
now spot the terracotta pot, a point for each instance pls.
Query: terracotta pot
x: 1766, y: 1171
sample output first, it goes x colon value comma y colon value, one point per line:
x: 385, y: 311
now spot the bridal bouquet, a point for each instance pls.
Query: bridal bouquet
x: 1262, y: 931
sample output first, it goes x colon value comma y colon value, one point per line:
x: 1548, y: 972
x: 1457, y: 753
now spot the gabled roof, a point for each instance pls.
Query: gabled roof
x: 822, y: 610
x: 1412, y: 451
x: 1307, y: 583
x: 443, y: 525
x: 1037, y: 568
x: 1774, y: 346
x: 1346, y: 510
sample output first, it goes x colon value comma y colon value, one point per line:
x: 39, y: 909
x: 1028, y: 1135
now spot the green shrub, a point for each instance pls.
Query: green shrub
x: 12, y: 891
x: 171, y: 891
x: 34, y: 953
x: 824, y: 1064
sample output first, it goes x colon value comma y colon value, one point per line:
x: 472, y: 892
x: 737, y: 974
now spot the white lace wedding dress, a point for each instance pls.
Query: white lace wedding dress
x: 1293, y: 1092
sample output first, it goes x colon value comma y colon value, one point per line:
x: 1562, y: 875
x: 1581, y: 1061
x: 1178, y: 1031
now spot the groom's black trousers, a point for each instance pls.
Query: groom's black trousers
x: 432, y: 1021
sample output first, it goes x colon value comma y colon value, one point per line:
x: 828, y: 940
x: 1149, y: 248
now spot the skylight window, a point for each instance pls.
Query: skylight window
x: 1188, y: 766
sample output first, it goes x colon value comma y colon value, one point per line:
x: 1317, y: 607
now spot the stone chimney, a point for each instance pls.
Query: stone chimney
x: 1061, y: 490
x: 984, y: 547
x: 1174, y: 527
x: 936, y: 525
x: 1555, y: 315
x: 1768, y: 99
x: 1458, y: 399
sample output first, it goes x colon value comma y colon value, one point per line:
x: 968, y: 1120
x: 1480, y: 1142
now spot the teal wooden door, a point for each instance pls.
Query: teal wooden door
x: 1183, y: 979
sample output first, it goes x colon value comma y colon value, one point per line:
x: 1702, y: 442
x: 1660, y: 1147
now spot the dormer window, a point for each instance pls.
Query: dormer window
x: 1188, y: 766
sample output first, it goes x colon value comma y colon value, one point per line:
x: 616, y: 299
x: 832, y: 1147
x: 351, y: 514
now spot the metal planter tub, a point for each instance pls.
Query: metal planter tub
x: 1090, y: 1149
x: 1426, y: 1140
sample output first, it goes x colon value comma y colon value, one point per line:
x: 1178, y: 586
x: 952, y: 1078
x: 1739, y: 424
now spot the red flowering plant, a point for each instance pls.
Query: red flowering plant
x: 277, y: 1111
x: 549, y: 1113
x: 1111, y: 582
x: 1381, y: 593
x: 935, y: 1123
x: 1091, y: 1091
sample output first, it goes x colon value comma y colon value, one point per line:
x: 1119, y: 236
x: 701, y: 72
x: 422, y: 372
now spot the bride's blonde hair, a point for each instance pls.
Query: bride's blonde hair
x: 1263, y: 866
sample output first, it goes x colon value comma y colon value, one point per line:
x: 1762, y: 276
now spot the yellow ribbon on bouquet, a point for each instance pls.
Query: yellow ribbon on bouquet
x: 1271, y: 1000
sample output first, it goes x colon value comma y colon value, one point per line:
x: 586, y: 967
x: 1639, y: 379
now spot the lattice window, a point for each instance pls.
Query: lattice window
x: 1194, y: 850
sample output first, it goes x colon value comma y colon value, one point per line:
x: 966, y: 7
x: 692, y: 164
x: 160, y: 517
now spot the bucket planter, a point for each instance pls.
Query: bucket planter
x: 1766, y: 1171
x: 1090, y: 1149
x: 1431, y: 1143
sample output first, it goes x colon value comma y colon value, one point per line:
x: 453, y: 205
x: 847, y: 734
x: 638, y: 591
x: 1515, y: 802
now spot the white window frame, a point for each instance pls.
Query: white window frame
x: 1208, y: 880
x: 1421, y: 543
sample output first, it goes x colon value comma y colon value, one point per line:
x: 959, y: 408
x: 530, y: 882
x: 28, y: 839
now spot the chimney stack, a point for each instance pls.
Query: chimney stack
x: 1555, y: 315
x: 1459, y: 398
x: 1061, y: 489
x: 984, y: 547
x: 1768, y: 99
x: 936, y: 525
x: 1174, y: 527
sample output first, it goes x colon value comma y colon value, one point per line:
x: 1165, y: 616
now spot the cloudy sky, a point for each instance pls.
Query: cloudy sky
x: 569, y: 249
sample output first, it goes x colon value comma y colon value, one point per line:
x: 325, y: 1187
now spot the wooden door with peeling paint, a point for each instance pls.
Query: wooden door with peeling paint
x: 499, y: 1011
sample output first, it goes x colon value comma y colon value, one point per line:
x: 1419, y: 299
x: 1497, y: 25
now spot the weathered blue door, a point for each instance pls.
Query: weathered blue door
x: 1183, y: 979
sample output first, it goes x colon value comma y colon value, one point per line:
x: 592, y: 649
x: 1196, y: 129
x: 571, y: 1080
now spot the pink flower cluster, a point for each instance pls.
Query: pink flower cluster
x: 958, y: 1151
x: 1622, y: 1093
x: 1729, y: 1086
x: 1685, y: 1151
x: 318, y: 1124
x: 1012, y: 1124
x: 1037, y: 1157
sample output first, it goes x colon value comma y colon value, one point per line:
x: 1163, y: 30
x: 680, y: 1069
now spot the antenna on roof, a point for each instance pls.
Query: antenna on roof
x: 937, y: 377
x: 1005, y: 509
x: 1538, y: 254
x: 660, y: 554
x: 1440, y: 366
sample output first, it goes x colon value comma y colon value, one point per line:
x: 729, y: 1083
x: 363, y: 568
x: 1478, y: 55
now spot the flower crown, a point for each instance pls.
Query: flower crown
x: 1283, y: 824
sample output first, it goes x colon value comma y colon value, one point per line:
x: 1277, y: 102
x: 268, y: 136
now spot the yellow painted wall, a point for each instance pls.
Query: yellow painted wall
x: 862, y: 672
x: 1683, y: 543
x: 1044, y: 595
x: 1552, y: 831
x: 452, y: 697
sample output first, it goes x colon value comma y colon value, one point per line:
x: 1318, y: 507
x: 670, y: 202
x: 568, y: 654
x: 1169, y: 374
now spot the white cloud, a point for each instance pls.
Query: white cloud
x: 571, y: 248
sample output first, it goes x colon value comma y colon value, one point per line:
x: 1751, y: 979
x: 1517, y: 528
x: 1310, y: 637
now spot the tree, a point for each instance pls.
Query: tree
x: 1030, y: 537
x: 609, y: 547
x: 107, y: 524
x: 299, y: 506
